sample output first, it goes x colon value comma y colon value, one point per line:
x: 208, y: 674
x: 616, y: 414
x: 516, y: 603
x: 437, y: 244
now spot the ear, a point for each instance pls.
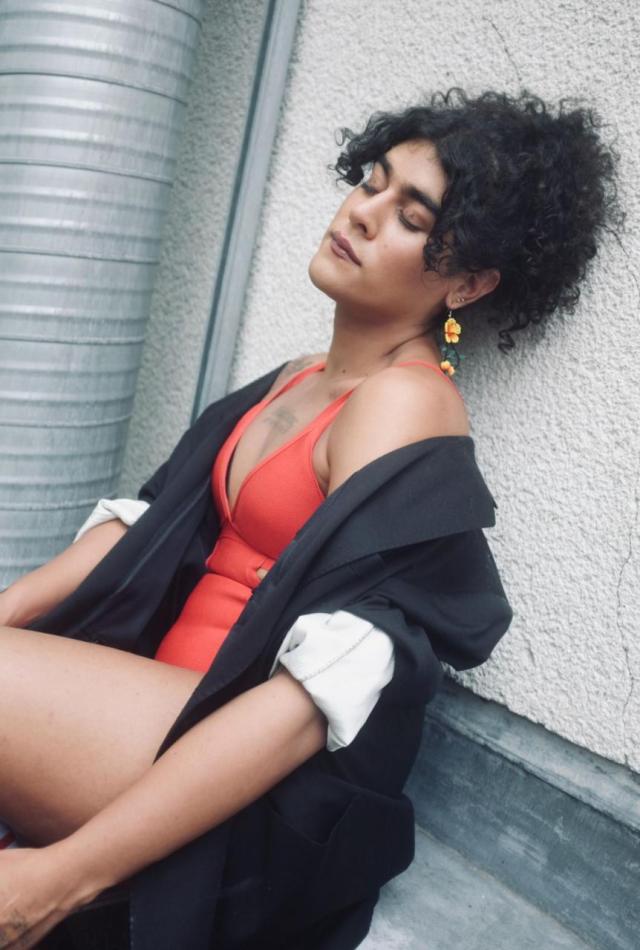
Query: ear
x: 467, y: 289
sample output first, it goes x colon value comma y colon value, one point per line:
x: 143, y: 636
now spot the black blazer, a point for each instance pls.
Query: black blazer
x: 400, y: 544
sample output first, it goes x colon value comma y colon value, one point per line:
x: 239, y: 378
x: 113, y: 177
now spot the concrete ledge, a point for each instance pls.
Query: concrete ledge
x: 444, y: 902
x: 556, y: 823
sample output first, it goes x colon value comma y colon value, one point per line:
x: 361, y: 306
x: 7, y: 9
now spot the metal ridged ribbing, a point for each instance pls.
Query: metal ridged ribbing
x: 92, y: 97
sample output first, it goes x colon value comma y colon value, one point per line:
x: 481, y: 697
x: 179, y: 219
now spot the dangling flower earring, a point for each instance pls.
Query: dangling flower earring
x: 451, y: 333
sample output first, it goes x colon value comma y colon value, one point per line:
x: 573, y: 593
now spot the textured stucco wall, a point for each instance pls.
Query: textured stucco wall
x: 193, y: 233
x: 555, y: 424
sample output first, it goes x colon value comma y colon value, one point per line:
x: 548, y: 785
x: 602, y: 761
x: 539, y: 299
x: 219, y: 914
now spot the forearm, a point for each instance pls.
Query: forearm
x: 219, y: 766
x: 40, y: 590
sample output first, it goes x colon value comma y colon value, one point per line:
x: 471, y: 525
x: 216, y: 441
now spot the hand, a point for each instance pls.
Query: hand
x: 35, y: 895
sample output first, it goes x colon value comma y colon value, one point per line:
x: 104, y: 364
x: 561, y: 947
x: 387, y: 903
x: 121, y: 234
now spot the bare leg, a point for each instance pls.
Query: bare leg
x: 79, y: 723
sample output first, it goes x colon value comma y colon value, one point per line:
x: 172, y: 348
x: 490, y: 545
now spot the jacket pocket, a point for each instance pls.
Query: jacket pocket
x: 286, y: 831
x: 274, y: 875
x: 371, y: 842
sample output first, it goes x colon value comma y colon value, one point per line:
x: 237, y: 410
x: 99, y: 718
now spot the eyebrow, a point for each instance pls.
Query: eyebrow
x: 410, y: 191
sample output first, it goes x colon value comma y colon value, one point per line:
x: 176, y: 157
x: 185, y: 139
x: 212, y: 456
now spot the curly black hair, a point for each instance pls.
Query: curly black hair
x: 530, y: 190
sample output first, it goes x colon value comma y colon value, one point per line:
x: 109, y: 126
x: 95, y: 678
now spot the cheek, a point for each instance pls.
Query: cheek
x: 407, y: 262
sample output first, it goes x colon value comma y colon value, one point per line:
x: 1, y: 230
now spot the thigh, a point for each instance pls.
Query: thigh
x: 79, y: 722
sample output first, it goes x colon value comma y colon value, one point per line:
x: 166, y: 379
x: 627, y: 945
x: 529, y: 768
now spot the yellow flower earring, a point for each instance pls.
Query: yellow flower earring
x: 451, y: 333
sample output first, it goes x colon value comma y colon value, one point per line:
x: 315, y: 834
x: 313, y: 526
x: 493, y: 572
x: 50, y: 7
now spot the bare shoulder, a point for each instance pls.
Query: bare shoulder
x: 295, y: 366
x: 394, y: 407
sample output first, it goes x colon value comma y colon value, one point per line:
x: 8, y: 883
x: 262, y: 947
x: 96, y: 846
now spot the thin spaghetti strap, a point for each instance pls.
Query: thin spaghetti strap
x: 437, y: 369
x: 423, y: 363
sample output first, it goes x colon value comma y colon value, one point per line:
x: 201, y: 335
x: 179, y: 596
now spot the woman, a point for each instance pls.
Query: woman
x: 274, y: 809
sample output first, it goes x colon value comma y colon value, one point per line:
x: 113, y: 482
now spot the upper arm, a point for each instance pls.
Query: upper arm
x: 392, y: 408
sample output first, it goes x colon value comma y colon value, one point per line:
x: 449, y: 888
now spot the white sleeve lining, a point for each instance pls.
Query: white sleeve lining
x: 126, y: 509
x: 343, y: 662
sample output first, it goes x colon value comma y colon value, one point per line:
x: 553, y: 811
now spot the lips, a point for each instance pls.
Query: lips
x: 341, y: 241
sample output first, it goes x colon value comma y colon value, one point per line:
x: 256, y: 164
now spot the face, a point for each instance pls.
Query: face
x: 386, y: 220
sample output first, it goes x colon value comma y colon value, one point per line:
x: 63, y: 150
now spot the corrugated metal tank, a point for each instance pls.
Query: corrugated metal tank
x: 92, y: 98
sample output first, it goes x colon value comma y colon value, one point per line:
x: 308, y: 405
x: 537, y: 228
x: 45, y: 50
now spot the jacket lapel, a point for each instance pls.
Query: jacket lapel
x: 429, y: 489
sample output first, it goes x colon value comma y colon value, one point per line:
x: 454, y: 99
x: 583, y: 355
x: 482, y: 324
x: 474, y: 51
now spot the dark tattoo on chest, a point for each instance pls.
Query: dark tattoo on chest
x: 281, y: 419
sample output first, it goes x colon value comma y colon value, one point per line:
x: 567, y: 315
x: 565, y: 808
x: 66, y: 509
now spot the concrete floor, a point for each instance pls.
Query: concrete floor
x: 443, y: 902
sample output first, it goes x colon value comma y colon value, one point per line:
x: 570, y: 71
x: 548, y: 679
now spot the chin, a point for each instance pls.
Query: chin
x: 335, y: 283
x: 321, y: 277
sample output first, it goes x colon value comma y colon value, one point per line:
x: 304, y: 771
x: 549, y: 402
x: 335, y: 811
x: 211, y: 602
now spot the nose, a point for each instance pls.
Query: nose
x: 363, y: 215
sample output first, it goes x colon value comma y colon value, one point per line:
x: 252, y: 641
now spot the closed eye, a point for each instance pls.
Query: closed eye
x: 369, y: 190
x: 407, y: 223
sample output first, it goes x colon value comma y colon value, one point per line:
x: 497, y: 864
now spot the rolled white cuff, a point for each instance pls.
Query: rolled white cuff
x: 126, y: 509
x: 343, y: 662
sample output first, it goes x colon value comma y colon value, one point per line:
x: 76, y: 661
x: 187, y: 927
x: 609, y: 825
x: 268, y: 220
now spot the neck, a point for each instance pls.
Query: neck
x: 360, y: 348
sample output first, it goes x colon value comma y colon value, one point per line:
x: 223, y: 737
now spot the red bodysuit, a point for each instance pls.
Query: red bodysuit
x: 275, y: 499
